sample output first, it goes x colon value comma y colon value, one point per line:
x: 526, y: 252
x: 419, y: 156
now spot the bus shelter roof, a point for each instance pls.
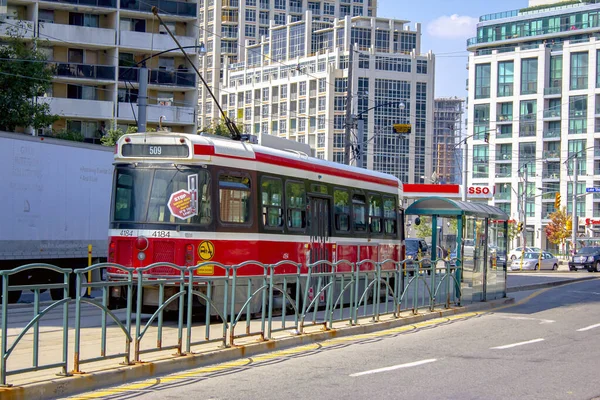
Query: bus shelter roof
x: 446, y: 207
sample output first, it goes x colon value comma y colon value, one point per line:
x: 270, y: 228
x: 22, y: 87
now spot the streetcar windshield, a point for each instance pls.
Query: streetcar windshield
x: 177, y: 195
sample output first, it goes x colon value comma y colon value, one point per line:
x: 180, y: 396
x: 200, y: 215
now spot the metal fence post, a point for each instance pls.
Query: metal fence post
x: 4, y: 341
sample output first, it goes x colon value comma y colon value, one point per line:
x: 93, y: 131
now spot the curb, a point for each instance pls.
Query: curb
x: 72, y: 385
x: 542, y: 285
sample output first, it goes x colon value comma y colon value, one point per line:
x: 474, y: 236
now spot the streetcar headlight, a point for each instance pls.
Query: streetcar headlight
x: 141, y: 256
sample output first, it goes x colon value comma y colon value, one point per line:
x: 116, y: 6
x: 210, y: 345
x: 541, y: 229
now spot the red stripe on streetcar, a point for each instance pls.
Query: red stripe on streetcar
x: 430, y: 188
x: 200, y: 149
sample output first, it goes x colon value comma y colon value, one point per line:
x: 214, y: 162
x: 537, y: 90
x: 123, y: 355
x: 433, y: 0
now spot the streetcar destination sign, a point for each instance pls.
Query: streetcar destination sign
x: 156, y: 150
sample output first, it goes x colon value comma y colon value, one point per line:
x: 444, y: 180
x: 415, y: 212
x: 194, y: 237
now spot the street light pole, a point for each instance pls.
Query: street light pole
x: 574, y: 222
x: 465, y: 173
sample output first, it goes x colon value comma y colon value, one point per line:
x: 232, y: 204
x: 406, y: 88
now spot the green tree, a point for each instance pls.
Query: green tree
x: 25, y: 76
x: 113, y: 135
x: 423, y: 230
x: 220, y: 128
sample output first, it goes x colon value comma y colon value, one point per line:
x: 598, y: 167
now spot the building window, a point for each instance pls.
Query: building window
x: 529, y: 73
x: 506, y: 78
x: 579, y: 71
x: 322, y: 103
x: 250, y: 15
x: 556, y: 70
x: 320, y: 140
x: 382, y: 41
x: 506, y: 112
x: 421, y: 67
x: 482, y: 81
x: 577, y: 114
x: 527, y: 118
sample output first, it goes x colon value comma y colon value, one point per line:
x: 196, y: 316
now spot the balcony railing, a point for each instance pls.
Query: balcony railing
x: 85, y: 71
x: 502, y: 196
x: 159, y: 77
x: 504, y: 135
x: 92, y: 3
x: 504, y: 157
x: 551, y: 175
x: 503, y: 174
x: 551, y: 113
x: 552, y: 90
x: 505, y: 118
x: 166, y: 7
x: 551, y: 154
x: 552, y: 133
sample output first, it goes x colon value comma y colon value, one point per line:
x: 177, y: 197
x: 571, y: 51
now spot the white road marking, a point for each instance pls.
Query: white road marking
x: 412, y: 364
x: 542, y: 321
x: 585, y: 292
x: 587, y: 328
x: 508, y: 346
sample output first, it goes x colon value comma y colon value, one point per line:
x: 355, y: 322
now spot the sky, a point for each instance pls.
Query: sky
x: 445, y: 26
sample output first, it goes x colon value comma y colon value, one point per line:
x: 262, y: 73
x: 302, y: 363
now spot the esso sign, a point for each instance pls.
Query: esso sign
x: 483, y: 192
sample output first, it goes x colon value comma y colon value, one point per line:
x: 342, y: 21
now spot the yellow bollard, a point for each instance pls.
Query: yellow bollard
x: 89, y: 277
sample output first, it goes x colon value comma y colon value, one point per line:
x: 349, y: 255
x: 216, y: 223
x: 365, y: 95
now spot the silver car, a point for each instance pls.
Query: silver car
x: 532, y: 261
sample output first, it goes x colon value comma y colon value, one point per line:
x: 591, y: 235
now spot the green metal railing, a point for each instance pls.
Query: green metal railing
x: 286, y: 296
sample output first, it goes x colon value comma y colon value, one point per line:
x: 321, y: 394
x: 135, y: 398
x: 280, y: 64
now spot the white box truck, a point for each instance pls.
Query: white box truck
x: 54, y: 202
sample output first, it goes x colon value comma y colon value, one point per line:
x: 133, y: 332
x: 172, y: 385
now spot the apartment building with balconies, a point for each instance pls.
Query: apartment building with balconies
x: 534, y: 93
x: 228, y: 26
x: 294, y: 84
x: 97, y: 47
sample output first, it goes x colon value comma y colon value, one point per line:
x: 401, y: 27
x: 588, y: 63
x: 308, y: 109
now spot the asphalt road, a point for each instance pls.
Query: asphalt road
x: 544, y: 347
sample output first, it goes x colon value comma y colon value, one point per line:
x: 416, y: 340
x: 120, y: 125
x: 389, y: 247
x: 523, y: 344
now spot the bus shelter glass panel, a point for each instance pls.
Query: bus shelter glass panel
x: 496, y: 274
x: 473, y: 260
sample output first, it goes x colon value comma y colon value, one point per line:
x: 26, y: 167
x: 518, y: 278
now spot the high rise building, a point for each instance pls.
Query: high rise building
x: 294, y: 84
x: 534, y: 93
x: 227, y: 27
x: 97, y: 46
x: 447, y: 134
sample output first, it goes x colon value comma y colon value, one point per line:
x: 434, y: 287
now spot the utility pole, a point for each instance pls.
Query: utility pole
x: 361, y: 141
x: 349, y: 119
x: 142, y: 98
x: 465, y: 172
x: 574, y: 222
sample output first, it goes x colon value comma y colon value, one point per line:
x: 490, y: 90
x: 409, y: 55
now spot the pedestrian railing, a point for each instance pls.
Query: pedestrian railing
x: 287, y: 296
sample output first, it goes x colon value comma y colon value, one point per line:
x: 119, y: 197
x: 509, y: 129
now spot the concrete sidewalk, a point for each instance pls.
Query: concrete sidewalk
x: 107, y: 372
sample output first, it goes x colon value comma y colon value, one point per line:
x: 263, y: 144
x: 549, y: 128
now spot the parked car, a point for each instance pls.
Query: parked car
x: 532, y: 261
x: 586, y: 258
x: 516, y: 252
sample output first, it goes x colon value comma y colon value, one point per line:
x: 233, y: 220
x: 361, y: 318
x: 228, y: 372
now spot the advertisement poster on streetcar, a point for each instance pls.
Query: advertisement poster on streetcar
x: 183, y: 204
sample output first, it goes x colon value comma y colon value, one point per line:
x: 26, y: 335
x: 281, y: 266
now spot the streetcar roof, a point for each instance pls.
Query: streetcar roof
x: 203, y: 148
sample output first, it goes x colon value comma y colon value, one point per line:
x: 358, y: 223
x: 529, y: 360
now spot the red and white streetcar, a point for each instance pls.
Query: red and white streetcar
x: 187, y: 199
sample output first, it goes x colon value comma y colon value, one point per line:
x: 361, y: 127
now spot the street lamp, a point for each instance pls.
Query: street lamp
x: 466, y: 156
x: 360, y: 123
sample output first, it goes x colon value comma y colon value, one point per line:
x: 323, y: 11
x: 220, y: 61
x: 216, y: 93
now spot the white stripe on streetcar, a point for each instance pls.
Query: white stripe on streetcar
x: 412, y: 364
x: 508, y: 346
x: 587, y: 328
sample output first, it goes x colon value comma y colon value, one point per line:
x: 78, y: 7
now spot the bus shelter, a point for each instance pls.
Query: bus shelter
x: 479, y: 235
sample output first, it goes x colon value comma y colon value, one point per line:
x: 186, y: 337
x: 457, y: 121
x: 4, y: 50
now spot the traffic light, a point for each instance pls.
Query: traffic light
x: 557, y: 200
x: 520, y: 227
x: 569, y: 224
x: 487, y: 137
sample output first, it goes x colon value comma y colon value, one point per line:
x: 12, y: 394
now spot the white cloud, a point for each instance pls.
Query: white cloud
x: 453, y: 26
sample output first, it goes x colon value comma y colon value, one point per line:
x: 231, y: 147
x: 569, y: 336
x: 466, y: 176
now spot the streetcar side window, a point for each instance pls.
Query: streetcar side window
x: 234, y: 199
x: 390, y: 215
x: 272, y: 202
x: 341, y: 200
x: 375, y: 213
x: 296, y: 204
x: 359, y: 208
